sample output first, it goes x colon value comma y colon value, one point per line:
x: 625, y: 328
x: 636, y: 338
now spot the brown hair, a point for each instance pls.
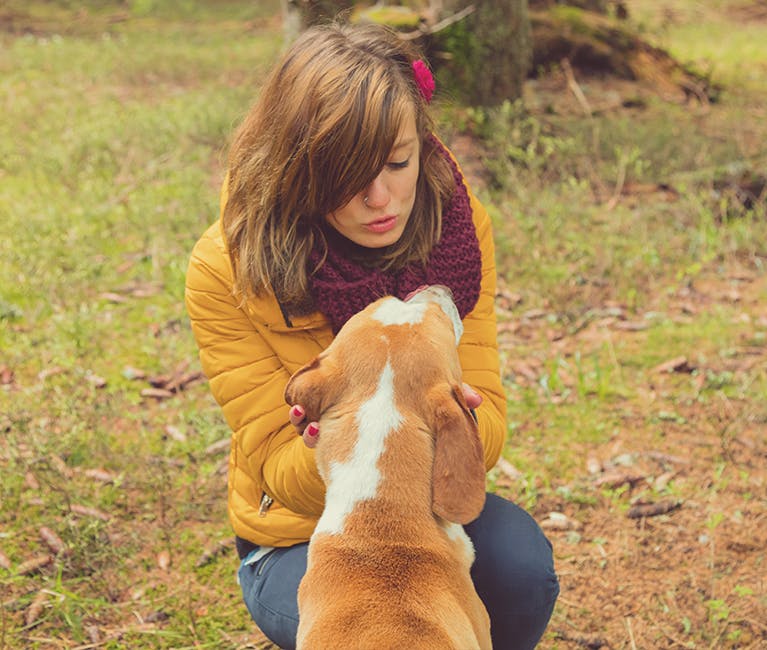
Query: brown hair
x: 324, y: 125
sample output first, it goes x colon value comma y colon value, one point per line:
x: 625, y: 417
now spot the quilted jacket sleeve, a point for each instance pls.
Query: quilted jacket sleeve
x: 247, y: 379
x: 478, y: 350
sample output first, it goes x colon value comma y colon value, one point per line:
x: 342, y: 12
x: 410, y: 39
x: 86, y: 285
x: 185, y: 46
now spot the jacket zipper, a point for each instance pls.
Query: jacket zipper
x: 266, y: 503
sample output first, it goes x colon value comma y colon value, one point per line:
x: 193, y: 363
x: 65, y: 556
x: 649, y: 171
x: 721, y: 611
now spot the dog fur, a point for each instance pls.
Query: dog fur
x: 403, y: 466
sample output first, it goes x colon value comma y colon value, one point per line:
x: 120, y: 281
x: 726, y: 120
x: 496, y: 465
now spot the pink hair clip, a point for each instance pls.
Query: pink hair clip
x: 423, y: 79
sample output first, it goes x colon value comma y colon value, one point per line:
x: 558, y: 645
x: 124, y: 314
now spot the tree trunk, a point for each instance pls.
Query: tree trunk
x: 297, y: 15
x: 488, y: 52
x: 481, y: 58
x: 292, y: 20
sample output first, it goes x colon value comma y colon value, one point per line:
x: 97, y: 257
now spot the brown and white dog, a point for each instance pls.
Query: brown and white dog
x: 401, y: 458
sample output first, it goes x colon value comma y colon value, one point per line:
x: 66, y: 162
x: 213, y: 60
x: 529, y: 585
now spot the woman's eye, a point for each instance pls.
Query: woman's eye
x: 394, y: 164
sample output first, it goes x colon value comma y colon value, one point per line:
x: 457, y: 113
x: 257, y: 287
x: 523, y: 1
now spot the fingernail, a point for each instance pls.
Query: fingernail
x: 297, y: 411
x: 312, y: 430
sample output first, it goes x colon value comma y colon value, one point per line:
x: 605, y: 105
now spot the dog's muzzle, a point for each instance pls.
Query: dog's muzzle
x: 442, y: 296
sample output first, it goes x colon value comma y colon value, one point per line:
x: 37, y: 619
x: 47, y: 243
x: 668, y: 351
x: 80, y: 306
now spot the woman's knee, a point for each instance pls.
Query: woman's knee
x: 270, y: 587
x: 514, y: 560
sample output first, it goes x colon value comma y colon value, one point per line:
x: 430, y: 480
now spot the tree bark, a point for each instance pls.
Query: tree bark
x: 292, y: 20
x: 297, y: 15
x: 489, y: 51
x: 482, y: 58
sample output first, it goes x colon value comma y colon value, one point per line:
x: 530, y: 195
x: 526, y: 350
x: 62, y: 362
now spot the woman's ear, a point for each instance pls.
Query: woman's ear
x: 458, y: 472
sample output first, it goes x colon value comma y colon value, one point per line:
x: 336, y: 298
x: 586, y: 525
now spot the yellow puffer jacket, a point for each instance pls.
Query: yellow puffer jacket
x: 248, y: 353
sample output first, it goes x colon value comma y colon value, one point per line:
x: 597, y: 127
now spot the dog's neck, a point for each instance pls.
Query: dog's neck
x: 384, y: 480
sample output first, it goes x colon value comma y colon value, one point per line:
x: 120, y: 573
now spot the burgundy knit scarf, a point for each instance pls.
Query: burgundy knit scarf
x: 342, y: 287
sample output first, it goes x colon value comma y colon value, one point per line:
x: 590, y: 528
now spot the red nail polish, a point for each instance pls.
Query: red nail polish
x: 298, y: 411
x: 312, y: 429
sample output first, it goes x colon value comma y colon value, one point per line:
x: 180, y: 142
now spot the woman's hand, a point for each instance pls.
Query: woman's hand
x: 310, y: 431
x: 472, y: 397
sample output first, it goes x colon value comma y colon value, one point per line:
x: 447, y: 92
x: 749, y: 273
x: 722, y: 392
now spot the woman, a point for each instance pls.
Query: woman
x: 338, y: 193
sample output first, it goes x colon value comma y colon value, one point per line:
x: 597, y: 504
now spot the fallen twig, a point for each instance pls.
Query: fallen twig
x: 653, y: 509
x: 677, y: 364
x: 88, y: 511
x: 631, y: 633
x: 666, y: 458
x: 438, y: 26
x: 35, y: 608
x: 218, y: 447
x: 586, y: 641
x: 33, y: 565
x: 52, y: 540
x: 616, y: 478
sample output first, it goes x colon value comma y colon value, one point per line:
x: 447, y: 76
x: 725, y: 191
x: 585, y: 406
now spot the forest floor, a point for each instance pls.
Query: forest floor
x: 631, y: 241
x: 659, y: 513
x: 659, y: 516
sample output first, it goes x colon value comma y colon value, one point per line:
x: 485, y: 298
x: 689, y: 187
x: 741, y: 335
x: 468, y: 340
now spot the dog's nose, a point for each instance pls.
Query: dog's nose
x: 415, y: 291
x: 442, y: 296
x: 434, y: 290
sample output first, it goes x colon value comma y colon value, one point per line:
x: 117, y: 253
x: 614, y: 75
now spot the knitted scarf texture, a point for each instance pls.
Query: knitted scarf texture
x: 342, y: 287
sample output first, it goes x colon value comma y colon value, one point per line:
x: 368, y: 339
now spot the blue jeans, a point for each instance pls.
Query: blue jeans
x: 513, y: 574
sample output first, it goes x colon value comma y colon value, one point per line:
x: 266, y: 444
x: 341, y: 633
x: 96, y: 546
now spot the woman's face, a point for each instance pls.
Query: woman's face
x: 377, y: 216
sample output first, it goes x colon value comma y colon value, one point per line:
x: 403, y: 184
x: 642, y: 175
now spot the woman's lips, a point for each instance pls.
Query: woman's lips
x: 382, y: 225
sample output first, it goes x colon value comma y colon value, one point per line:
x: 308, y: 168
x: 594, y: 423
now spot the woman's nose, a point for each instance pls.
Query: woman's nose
x: 377, y: 194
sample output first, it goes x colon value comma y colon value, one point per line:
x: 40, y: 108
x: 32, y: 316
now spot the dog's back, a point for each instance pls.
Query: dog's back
x: 403, y: 466
x: 384, y: 597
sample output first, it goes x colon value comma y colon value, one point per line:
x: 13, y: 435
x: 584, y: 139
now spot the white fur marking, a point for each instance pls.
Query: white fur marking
x: 448, y: 306
x: 357, y: 479
x: 396, y: 312
x: 456, y: 533
x: 445, y: 302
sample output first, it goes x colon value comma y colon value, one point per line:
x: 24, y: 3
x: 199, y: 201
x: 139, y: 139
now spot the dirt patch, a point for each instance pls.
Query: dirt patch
x: 667, y: 532
x: 749, y: 11
x: 661, y: 537
x: 599, y: 45
x: 18, y: 22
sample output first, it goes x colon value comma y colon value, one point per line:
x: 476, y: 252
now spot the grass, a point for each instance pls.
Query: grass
x: 719, y: 35
x: 111, y: 148
x: 116, y: 119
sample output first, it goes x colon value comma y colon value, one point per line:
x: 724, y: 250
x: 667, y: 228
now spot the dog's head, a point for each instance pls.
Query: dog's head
x: 411, y: 347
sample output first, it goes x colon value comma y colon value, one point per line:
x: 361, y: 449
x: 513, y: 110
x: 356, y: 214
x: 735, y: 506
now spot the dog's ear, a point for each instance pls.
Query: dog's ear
x: 458, y: 473
x: 310, y: 387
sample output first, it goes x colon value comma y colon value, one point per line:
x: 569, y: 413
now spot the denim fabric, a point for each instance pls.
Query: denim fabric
x: 270, y: 589
x: 513, y: 574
